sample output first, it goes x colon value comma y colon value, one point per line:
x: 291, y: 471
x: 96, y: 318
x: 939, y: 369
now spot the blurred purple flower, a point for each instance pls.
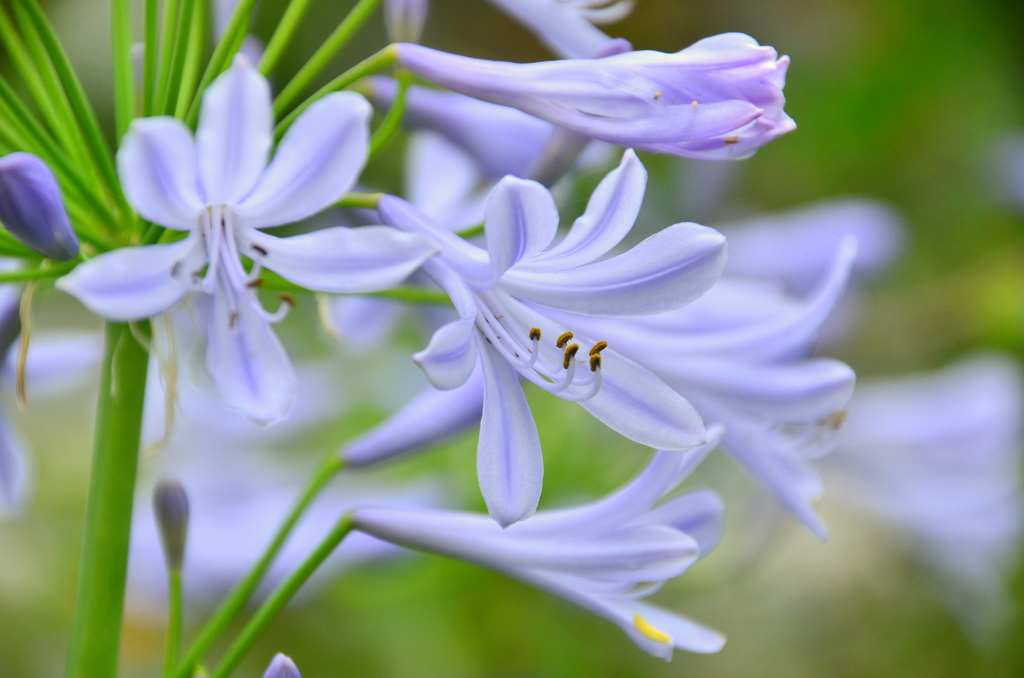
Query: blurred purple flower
x: 720, y: 99
x: 31, y: 207
x: 503, y: 296
x: 405, y: 19
x: 567, y: 27
x: 605, y: 556
x: 282, y: 667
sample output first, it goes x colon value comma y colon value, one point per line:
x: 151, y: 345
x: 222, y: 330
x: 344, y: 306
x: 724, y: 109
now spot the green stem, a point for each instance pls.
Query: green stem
x: 179, y: 52
x: 193, y: 59
x: 377, y: 62
x: 54, y: 271
x: 280, y: 597
x: 341, y: 35
x: 240, y: 595
x: 366, y: 200
x: 283, y: 35
x: 124, y: 84
x: 471, y: 232
x: 393, y: 120
x: 225, y: 49
x: 174, y: 620
x: 96, y: 629
x: 149, y: 58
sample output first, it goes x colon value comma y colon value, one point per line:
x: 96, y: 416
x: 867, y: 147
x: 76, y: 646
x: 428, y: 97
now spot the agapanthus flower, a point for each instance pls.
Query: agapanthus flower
x: 282, y: 667
x: 32, y: 209
x: 720, y: 98
x: 605, y: 556
x: 220, y: 189
x: 937, y: 457
x: 568, y: 27
x: 502, y: 295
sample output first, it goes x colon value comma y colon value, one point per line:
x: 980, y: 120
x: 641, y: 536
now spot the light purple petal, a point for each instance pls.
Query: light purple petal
x: 610, y: 215
x: 13, y: 472
x: 317, y: 162
x: 282, y: 667
x: 159, y: 173
x: 521, y: 221
x: 340, y: 260
x: 698, y: 514
x: 442, y: 181
x: 249, y: 366
x: 563, y: 28
x: 510, y: 464
x: 235, y: 133
x: 450, y: 357
x: 132, y: 283
x: 664, y: 272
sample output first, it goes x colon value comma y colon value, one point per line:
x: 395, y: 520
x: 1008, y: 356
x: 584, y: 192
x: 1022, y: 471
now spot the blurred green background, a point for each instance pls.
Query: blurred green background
x: 900, y: 100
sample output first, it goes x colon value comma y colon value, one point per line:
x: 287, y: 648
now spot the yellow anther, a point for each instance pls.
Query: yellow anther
x: 694, y: 103
x: 598, y: 347
x: 836, y: 419
x: 535, y: 334
x: 570, y: 353
x: 564, y: 339
x: 731, y: 140
x: 657, y: 95
x: 644, y: 627
x: 595, y: 362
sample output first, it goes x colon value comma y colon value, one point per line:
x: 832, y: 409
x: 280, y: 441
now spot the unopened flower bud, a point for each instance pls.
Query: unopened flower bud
x: 282, y: 667
x: 31, y: 208
x: 170, y: 505
x: 405, y: 19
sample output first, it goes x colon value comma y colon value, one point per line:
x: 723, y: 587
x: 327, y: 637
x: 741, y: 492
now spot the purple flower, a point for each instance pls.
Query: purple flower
x: 282, y: 667
x: 567, y: 27
x: 506, y: 296
x: 720, y: 98
x: 605, y: 556
x: 31, y: 208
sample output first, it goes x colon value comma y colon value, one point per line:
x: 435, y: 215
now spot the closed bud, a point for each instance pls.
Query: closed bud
x: 405, y: 19
x: 282, y: 667
x: 31, y: 208
x: 170, y: 506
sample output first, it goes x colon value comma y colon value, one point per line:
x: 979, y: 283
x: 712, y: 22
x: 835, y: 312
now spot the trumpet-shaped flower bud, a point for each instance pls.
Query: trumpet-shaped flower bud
x: 31, y: 208
x: 568, y: 28
x: 282, y: 667
x: 170, y: 507
x: 605, y: 556
x: 405, y: 19
x: 718, y: 99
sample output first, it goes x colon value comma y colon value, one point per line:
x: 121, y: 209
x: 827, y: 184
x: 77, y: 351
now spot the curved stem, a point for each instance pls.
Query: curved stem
x: 96, y: 629
x: 393, y: 120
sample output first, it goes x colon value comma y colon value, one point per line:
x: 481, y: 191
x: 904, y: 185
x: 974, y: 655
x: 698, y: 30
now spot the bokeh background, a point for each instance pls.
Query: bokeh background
x: 906, y: 101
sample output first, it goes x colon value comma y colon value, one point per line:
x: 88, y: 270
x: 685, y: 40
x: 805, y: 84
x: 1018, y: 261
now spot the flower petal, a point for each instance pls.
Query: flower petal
x: 340, y: 260
x: 249, y: 366
x: 698, y: 514
x: 428, y: 419
x: 132, y: 283
x: 685, y: 634
x: 13, y: 472
x: 521, y: 221
x: 449, y: 358
x: 643, y: 408
x: 158, y: 170
x: 664, y: 272
x: 235, y: 133
x: 509, y: 461
x: 610, y: 215
x: 317, y: 162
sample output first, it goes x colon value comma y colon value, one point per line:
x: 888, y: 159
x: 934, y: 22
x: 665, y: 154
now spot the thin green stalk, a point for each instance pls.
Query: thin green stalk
x: 322, y: 57
x: 242, y: 592
x: 283, y: 35
x: 54, y: 271
x: 280, y: 597
x: 79, y: 103
x: 365, y: 200
x: 178, y: 54
x: 124, y: 82
x: 193, y: 58
x: 174, y: 620
x: 96, y: 628
x: 149, y: 58
x: 471, y: 232
x: 168, y: 23
x: 233, y: 35
x: 372, y: 64
x: 393, y: 120
x: 10, y: 247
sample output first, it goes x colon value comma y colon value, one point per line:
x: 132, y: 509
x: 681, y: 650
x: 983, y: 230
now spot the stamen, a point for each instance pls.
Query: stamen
x: 564, y: 339
x: 836, y: 419
x: 570, y: 353
x: 535, y: 352
x: 255, y: 282
x: 232, y: 319
x: 731, y: 140
x: 287, y: 299
x: 645, y: 628
x: 259, y: 250
x: 595, y: 362
x: 657, y: 95
x: 598, y: 347
x: 535, y: 334
x: 176, y: 269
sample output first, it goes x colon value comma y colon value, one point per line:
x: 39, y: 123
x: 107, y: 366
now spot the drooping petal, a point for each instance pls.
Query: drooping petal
x: 317, y: 162
x: 132, y: 283
x: 521, y: 221
x: 664, y: 272
x: 611, y: 212
x: 340, y: 260
x: 510, y: 464
x: 450, y: 357
x: 235, y: 133
x: 684, y: 633
x: 428, y: 419
x: 698, y: 514
x: 563, y: 28
x: 249, y: 366
x: 643, y: 408
x: 159, y: 172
